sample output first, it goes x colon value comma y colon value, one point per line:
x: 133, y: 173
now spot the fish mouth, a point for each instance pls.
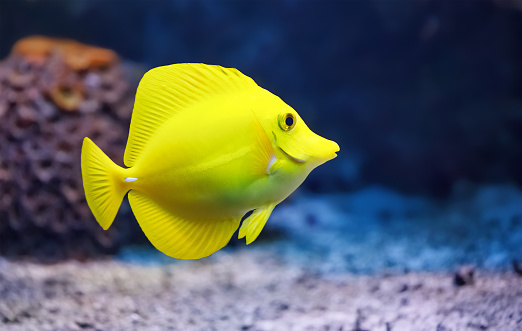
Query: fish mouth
x: 334, y: 154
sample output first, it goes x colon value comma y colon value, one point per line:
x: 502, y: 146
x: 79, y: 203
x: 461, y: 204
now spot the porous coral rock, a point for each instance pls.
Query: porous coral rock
x: 77, y: 56
x: 53, y: 93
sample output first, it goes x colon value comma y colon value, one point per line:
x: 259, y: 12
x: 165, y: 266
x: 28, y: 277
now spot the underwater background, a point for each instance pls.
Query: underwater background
x: 416, y: 225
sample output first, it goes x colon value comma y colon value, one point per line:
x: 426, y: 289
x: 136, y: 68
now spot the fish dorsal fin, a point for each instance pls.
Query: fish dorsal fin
x: 165, y: 91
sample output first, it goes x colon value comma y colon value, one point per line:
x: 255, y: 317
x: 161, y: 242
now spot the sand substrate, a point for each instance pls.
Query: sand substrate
x: 249, y: 289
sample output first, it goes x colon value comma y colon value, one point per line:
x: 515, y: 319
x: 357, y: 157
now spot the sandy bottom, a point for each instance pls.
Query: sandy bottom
x: 248, y: 289
x: 370, y: 260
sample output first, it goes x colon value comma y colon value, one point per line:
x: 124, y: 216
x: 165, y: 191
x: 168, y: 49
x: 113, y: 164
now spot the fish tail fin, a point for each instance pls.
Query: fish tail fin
x: 103, y: 182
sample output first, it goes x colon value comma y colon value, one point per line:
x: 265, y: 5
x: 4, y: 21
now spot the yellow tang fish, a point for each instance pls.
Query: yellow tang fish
x: 206, y: 145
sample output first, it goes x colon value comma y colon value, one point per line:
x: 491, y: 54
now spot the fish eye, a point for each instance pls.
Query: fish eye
x: 287, y: 121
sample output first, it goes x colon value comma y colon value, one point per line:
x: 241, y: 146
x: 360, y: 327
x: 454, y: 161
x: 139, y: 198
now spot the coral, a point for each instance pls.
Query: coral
x: 77, y: 56
x: 73, y: 75
x: 53, y: 93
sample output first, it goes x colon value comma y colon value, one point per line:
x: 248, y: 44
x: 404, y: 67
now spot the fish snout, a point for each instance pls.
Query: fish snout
x: 322, y: 149
x: 307, y: 147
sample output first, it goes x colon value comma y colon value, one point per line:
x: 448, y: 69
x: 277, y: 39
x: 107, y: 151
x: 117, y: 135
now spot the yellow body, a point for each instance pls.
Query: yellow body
x: 206, y: 145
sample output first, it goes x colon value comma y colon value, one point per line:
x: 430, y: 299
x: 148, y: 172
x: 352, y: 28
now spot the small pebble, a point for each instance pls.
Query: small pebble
x: 464, y: 276
x: 517, y: 267
x: 84, y: 325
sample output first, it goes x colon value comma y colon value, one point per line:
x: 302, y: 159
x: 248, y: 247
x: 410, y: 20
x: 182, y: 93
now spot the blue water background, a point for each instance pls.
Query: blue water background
x: 419, y: 94
x: 424, y: 98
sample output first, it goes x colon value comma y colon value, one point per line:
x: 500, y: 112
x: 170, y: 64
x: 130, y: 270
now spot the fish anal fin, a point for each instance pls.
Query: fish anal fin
x: 179, y: 237
x: 167, y: 90
x: 252, y: 226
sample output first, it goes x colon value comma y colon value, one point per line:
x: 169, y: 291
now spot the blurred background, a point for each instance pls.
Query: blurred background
x: 423, y: 97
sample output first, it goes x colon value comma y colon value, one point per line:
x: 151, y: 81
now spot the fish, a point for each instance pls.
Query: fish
x: 206, y: 146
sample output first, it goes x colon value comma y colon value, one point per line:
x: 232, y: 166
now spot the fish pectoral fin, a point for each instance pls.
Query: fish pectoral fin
x: 179, y: 237
x: 252, y: 226
x: 264, y: 155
